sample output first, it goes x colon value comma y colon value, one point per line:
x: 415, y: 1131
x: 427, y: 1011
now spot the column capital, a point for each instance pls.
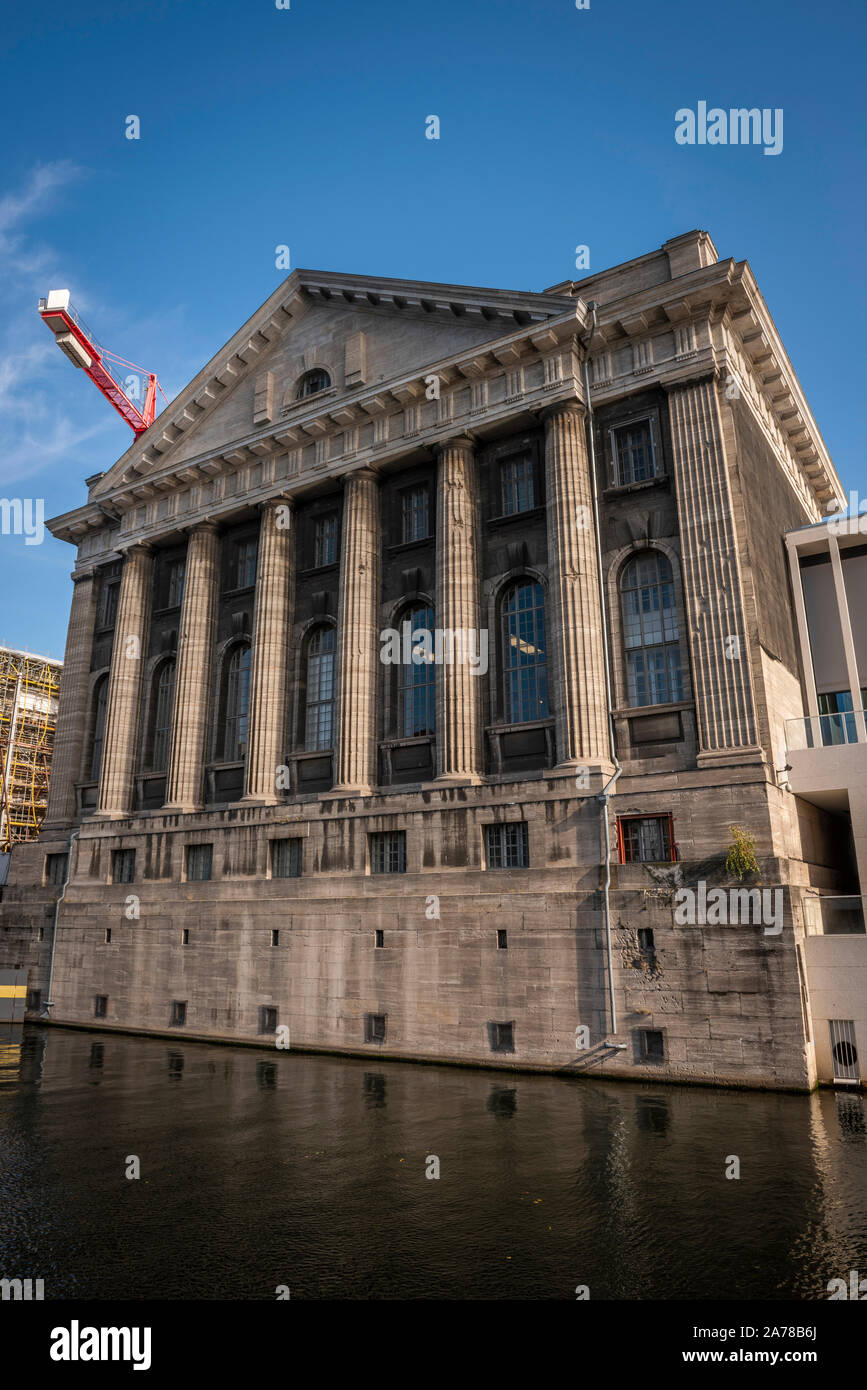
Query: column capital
x: 208, y: 527
x: 464, y: 441
x: 366, y: 474
x: 137, y: 548
x: 572, y: 406
x: 282, y: 499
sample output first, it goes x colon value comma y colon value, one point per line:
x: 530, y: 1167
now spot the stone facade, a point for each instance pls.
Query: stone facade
x: 270, y: 825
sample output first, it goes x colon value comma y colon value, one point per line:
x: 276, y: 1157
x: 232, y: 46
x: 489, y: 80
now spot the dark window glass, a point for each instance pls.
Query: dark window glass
x: 502, y: 1037
x: 98, y: 738
x: 415, y: 514
x: 507, y: 846
x: 123, y: 866
x: 319, y: 720
x: 634, y: 454
x: 388, y: 852
x: 164, y: 689
x: 416, y: 680
x: 267, y: 1019
x: 237, y: 704
x: 175, y: 583
x: 652, y: 1045
x: 645, y: 839
x: 286, y: 858
x: 199, y: 860
x: 524, y: 659
x: 650, y: 631
x: 312, y: 382
x: 502, y: 940
x: 839, y: 725
x: 243, y: 571
x: 517, y: 486
x: 55, y: 868
x: 379, y: 938
x: 179, y: 1013
x: 325, y: 540
x: 100, y: 1006
x: 374, y: 1028
x: 108, y: 600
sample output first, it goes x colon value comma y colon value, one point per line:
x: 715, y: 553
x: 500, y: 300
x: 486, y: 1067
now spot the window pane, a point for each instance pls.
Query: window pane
x: 525, y: 668
x: 162, y: 717
x: 415, y: 514
x: 237, y: 705
x: 416, y: 680
x: 517, y: 485
x: 650, y: 631
x: 325, y: 541
x: 634, y: 458
x: 319, y: 721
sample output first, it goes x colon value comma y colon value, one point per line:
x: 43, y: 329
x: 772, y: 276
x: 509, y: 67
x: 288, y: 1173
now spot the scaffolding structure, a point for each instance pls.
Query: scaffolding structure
x: 29, y: 690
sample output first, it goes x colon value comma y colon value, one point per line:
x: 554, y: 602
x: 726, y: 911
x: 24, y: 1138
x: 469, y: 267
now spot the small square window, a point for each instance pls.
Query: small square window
x: 502, y: 940
x: 185, y: 936
x: 286, y: 858
x: 517, y: 486
x: 123, y: 865
x: 374, y: 1028
x: 652, y: 1045
x: 55, y: 869
x: 199, y: 861
x: 507, y: 845
x: 388, y: 852
x: 108, y: 936
x: 646, y: 839
x: 379, y: 938
x: 645, y: 941
x: 275, y: 936
x: 100, y: 1006
x: 267, y: 1019
x: 502, y: 1037
x: 415, y: 514
x: 179, y: 1013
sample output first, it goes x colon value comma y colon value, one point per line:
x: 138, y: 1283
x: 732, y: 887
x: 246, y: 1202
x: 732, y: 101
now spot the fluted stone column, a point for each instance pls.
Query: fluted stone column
x: 574, y: 626
x: 193, y: 670
x: 458, y: 695
x: 72, y: 707
x: 711, y: 576
x: 266, y: 744
x: 357, y: 635
x: 124, y: 684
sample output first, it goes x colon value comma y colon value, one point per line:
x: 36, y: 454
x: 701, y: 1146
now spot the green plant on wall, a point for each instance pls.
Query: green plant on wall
x: 741, y: 857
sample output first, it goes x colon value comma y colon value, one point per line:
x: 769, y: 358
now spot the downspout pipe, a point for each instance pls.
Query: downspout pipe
x: 49, y: 1003
x: 604, y: 796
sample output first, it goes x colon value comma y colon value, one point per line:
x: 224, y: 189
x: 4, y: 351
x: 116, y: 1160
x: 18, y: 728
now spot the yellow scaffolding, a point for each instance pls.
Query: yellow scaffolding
x: 29, y: 690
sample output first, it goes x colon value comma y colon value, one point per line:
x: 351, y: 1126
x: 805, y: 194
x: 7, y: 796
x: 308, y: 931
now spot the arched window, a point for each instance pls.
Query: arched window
x: 161, y: 717
x: 650, y: 630
x: 236, y: 704
x: 312, y: 383
x: 319, y: 708
x: 100, y: 709
x: 416, y: 678
x: 525, y: 674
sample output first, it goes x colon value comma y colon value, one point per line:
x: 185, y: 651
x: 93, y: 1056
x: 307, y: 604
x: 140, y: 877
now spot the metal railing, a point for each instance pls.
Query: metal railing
x: 826, y: 730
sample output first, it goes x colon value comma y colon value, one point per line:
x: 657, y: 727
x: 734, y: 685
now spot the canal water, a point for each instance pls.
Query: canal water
x: 260, y: 1170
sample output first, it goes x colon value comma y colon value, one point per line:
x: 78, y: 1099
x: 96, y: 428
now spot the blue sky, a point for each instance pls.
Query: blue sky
x: 305, y: 127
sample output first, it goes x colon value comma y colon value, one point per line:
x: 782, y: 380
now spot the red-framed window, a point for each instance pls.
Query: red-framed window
x: 646, y: 839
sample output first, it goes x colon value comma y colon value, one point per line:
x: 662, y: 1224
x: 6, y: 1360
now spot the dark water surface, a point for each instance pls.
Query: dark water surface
x: 260, y: 1169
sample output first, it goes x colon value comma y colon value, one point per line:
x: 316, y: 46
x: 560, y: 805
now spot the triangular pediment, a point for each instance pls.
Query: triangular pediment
x: 362, y: 331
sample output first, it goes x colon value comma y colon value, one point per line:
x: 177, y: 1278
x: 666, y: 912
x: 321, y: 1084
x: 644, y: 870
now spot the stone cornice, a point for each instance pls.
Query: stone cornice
x: 549, y: 350
x: 720, y: 325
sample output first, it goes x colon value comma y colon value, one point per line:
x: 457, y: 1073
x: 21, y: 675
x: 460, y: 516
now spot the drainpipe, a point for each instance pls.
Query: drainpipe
x: 49, y: 1003
x: 605, y: 795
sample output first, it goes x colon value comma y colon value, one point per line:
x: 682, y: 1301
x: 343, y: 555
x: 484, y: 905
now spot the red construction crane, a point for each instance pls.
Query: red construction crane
x: 75, y: 339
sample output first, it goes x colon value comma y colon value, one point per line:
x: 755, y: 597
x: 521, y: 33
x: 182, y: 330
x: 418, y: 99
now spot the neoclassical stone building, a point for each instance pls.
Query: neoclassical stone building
x: 334, y: 749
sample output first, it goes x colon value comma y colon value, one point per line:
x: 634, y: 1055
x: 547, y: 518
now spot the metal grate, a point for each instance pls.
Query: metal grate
x: 843, y: 1050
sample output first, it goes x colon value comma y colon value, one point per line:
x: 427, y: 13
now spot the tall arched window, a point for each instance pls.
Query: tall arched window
x: 525, y: 673
x: 161, y: 717
x: 651, y: 638
x: 100, y: 709
x: 416, y: 678
x: 319, y: 708
x: 313, y: 382
x: 236, y: 704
